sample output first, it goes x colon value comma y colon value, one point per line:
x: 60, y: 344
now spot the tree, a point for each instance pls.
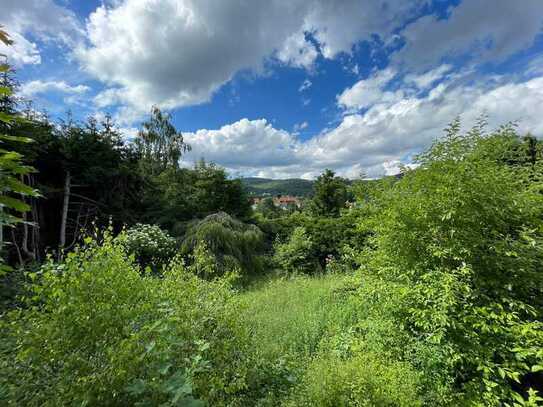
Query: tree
x: 268, y: 209
x: 233, y: 244
x: 161, y: 146
x: 457, y: 269
x: 330, y: 195
x: 177, y: 196
x: 12, y: 168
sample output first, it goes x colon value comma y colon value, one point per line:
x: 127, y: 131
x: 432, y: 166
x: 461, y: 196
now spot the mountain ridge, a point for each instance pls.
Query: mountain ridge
x: 256, y: 186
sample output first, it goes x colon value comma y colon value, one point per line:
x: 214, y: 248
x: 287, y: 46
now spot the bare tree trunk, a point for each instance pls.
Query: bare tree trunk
x: 14, y: 239
x: 1, y: 233
x: 66, y: 203
x: 35, y: 230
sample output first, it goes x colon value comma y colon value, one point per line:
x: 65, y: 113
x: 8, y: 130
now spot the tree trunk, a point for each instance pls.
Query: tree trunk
x: 35, y: 230
x: 66, y: 203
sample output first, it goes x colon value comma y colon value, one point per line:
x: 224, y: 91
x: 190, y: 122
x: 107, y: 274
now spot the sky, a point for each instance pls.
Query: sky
x: 285, y: 88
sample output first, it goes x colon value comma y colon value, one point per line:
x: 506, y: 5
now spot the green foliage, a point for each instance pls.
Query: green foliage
x: 274, y: 187
x: 13, y: 189
x: 151, y: 246
x: 328, y: 238
x: 329, y: 195
x: 159, y: 143
x: 287, y: 319
x: 268, y: 209
x: 233, y: 244
x: 363, y: 380
x: 459, y: 241
x: 98, y: 332
x: 297, y: 254
x: 177, y: 196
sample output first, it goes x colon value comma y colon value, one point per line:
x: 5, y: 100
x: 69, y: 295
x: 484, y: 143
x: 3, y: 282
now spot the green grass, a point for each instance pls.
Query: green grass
x: 288, y: 317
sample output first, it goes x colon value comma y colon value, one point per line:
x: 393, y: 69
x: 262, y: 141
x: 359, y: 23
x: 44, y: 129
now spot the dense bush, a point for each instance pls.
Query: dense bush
x: 297, y: 254
x: 97, y: 332
x: 324, y: 239
x: 151, y: 246
x: 456, y: 270
x: 363, y: 380
x: 233, y: 244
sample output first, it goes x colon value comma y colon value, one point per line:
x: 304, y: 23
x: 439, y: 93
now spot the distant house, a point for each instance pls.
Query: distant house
x: 284, y: 201
x: 280, y: 201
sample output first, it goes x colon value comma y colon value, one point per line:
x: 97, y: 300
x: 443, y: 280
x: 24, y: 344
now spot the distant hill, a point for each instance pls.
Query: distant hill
x: 266, y: 186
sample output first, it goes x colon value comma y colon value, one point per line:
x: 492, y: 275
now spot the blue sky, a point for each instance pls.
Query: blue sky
x: 285, y: 89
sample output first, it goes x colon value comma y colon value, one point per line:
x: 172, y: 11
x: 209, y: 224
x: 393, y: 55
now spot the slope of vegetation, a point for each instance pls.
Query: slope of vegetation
x: 265, y: 186
x: 163, y: 288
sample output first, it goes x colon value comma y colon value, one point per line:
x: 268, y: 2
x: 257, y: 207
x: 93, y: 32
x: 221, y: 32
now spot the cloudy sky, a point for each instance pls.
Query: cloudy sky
x: 286, y: 88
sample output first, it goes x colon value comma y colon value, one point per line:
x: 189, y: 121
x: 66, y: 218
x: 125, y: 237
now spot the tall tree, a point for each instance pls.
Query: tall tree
x: 330, y: 195
x: 12, y: 169
x: 161, y: 146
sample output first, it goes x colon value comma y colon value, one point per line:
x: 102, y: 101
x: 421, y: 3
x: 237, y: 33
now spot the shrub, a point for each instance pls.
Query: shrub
x: 460, y: 240
x: 297, y: 254
x: 97, y: 332
x: 234, y: 244
x: 363, y: 380
x: 151, y: 246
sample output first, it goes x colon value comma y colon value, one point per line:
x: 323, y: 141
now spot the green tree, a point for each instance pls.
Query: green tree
x: 268, y: 209
x: 161, y: 146
x: 178, y: 196
x: 232, y: 243
x: 329, y: 195
x: 457, y: 269
x: 12, y: 167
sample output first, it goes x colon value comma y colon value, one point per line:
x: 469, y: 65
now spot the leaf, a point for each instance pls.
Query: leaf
x: 4, y: 37
x: 14, y: 203
x: 137, y: 387
x: 16, y: 138
x: 6, y: 118
x: 164, y: 369
x: 150, y: 346
x: 5, y: 91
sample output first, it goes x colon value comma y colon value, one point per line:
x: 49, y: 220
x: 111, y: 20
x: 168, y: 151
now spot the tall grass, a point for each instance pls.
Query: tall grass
x: 288, y: 317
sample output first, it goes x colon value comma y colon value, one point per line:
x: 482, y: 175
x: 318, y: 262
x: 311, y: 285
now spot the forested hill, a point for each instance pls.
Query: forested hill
x: 267, y: 186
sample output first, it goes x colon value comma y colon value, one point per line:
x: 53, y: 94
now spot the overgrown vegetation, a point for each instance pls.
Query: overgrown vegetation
x: 151, y: 284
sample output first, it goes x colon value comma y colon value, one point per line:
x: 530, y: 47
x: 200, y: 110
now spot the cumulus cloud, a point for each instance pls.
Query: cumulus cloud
x: 473, y: 28
x: 373, y: 142
x: 370, y: 91
x: 245, y: 144
x: 337, y: 25
x: 21, y: 52
x: 179, y: 52
x: 30, y: 20
x: 298, y: 52
x: 425, y: 80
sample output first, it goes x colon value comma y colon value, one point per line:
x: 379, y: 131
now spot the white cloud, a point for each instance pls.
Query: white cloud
x: 306, y: 84
x: 36, y: 87
x: 179, y: 52
x: 338, y: 25
x: 428, y: 78
x: 30, y: 20
x: 487, y: 31
x: 298, y: 52
x: 299, y: 127
x: 375, y: 142
x: 244, y: 144
x: 21, y: 52
x: 370, y: 91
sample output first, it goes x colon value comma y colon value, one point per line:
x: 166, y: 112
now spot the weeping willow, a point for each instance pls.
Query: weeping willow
x: 233, y: 243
